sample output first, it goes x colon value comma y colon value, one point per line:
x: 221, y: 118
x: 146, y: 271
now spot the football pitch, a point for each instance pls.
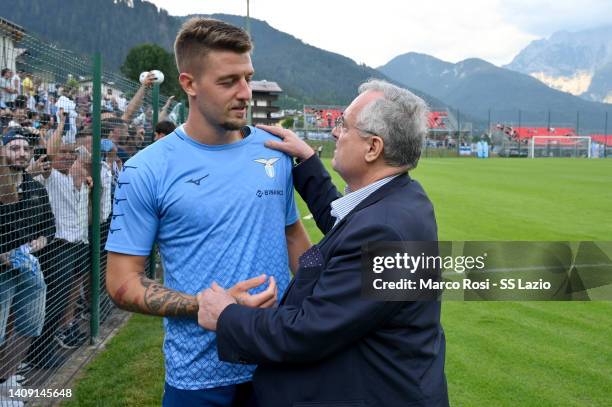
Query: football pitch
x: 498, y: 353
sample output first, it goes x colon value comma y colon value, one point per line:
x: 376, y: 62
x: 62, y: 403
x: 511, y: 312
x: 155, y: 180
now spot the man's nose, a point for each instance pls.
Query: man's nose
x: 335, y: 133
x: 244, y: 93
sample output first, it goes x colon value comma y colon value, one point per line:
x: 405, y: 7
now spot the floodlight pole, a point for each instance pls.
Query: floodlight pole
x: 606, y: 135
x: 248, y: 30
x: 519, y: 126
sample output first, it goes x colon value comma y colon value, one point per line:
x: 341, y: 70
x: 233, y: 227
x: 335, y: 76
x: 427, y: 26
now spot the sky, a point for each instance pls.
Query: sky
x: 373, y: 32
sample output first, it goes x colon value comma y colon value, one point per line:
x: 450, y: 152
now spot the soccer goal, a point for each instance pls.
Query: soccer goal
x: 560, y: 146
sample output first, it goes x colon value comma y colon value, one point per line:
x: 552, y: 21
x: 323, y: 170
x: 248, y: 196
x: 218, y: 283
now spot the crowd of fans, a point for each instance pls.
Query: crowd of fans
x: 45, y: 210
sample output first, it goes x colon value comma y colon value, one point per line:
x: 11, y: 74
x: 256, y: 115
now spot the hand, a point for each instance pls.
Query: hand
x: 4, y: 259
x: 38, y: 244
x: 264, y: 299
x: 291, y: 144
x: 168, y: 102
x: 41, y: 166
x: 148, y: 82
x: 89, y: 181
x: 211, y: 303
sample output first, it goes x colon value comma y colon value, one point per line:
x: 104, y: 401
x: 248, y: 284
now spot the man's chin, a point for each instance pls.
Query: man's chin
x: 235, y: 124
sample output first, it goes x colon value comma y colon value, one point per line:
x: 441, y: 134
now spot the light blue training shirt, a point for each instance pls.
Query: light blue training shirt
x: 218, y: 213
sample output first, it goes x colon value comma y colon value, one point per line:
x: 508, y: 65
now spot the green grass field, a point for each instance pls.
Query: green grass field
x: 498, y: 354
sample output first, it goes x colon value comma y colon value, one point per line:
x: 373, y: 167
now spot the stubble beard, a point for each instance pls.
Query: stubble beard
x: 235, y: 124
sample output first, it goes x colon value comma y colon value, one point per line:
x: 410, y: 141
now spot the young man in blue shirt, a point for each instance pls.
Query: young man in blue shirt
x: 220, y: 206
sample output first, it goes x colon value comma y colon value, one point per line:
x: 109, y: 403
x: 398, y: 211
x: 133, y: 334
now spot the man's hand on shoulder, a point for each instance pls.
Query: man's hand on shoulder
x: 291, y: 144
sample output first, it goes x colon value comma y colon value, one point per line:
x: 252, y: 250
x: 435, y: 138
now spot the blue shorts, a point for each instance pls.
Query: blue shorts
x: 22, y: 295
x: 236, y: 395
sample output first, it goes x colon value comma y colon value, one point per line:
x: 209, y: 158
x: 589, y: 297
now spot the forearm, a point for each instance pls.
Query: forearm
x: 143, y: 295
x: 163, y: 114
x: 134, y: 103
x: 55, y: 141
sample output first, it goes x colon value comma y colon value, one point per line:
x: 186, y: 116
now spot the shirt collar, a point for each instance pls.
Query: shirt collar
x: 344, y: 205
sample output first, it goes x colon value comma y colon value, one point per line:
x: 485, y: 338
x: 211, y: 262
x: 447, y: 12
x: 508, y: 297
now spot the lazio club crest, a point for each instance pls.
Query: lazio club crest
x: 268, y: 165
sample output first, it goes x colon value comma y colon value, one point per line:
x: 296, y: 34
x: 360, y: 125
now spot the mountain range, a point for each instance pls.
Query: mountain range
x: 305, y: 73
x: 310, y: 75
x: 480, y: 88
x: 576, y: 62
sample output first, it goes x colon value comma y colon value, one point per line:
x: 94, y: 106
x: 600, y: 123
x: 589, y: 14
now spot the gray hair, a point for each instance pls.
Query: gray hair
x: 399, y: 118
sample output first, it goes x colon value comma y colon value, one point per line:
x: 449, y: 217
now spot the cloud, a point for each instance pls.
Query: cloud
x: 544, y: 17
x: 373, y: 32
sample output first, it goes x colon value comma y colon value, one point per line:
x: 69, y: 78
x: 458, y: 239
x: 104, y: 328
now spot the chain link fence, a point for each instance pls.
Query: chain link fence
x: 68, y: 127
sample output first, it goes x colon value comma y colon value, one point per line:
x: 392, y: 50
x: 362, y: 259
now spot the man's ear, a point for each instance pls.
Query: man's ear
x: 375, y: 150
x: 186, y: 81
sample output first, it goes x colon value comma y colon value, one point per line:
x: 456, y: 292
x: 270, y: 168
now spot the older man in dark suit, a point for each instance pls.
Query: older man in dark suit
x: 326, y: 344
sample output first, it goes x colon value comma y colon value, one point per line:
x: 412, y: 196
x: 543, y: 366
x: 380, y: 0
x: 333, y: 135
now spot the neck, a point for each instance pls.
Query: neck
x: 201, y: 130
x: 19, y: 177
x: 373, y: 175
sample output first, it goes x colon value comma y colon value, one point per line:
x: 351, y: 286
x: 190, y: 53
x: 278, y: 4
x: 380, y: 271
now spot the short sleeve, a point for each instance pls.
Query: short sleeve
x: 135, y: 219
x: 291, y: 212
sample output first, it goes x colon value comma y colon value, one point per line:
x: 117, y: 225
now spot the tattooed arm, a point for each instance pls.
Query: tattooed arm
x: 131, y: 290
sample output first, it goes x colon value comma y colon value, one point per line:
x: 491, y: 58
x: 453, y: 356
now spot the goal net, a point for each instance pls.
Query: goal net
x: 560, y: 146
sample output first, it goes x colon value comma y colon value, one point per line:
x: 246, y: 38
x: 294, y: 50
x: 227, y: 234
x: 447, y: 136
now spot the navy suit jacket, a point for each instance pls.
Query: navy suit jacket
x: 325, y: 345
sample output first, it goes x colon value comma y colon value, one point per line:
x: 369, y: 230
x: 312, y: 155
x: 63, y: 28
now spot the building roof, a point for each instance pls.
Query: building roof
x: 265, y: 86
x: 6, y: 25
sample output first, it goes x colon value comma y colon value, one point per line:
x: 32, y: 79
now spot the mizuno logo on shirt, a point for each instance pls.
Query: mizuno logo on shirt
x: 196, y: 181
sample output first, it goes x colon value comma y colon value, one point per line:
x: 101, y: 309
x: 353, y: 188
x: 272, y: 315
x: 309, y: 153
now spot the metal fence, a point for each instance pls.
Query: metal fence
x: 68, y: 127
x: 507, y: 132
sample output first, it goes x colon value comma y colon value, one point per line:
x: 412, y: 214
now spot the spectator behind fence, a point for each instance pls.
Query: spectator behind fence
x: 68, y: 187
x: 116, y: 130
x: 26, y: 226
x: 7, y: 91
x: 68, y: 105
x: 163, y: 128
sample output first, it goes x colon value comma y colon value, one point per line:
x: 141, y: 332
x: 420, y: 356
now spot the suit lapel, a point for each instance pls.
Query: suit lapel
x: 398, y: 182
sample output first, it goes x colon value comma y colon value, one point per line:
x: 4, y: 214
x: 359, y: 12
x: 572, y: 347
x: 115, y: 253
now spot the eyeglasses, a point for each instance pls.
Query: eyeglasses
x: 340, y: 123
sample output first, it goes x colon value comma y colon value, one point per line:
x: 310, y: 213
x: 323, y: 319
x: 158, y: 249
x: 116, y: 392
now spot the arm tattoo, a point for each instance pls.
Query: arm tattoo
x: 159, y: 300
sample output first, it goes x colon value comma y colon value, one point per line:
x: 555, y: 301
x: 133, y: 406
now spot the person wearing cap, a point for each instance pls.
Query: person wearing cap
x: 27, y: 225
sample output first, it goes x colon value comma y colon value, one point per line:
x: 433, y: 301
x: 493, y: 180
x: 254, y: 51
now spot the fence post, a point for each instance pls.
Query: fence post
x: 154, y: 119
x: 96, y: 198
